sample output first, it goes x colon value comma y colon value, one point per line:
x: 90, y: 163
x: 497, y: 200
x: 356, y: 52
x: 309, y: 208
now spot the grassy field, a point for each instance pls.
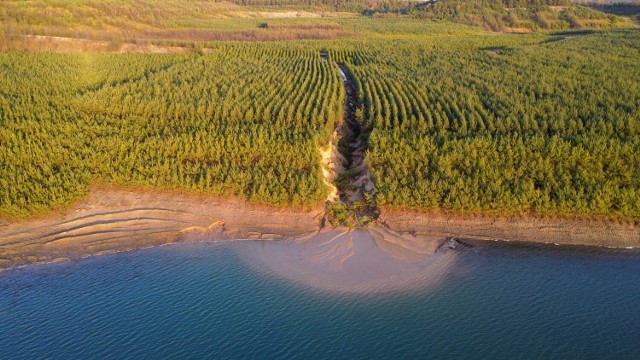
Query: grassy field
x: 457, y: 118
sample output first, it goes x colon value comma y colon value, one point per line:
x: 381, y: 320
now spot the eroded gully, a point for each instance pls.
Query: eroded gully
x: 346, y: 170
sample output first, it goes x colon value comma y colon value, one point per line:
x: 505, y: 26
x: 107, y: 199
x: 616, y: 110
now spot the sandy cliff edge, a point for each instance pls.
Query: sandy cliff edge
x: 439, y: 226
x: 111, y: 220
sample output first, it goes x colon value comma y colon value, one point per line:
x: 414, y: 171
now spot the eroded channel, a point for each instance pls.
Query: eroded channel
x: 345, y: 167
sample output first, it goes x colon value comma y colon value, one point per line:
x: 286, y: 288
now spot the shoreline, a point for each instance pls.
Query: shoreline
x: 524, y: 229
x: 113, y: 220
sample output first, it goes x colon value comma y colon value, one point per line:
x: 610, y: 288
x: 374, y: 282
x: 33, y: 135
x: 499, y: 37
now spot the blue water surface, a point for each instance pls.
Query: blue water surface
x: 194, y: 301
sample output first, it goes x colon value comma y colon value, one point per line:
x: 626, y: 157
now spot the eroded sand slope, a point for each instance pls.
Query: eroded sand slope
x: 111, y: 220
x: 358, y: 261
x: 438, y: 226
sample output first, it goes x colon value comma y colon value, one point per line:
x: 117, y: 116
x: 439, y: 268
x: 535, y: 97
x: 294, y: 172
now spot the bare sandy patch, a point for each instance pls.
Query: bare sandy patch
x: 517, y: 30
x: 439, y: 226
x: 287, y: 14
x: 76, y: 45
x: 110, y: 220
x: 332, y: 166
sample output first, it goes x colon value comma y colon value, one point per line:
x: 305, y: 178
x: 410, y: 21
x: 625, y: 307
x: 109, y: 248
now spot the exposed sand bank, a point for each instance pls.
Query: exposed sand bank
x: 288, y: 14
x: 111, y: 220
x: 440, y: 226
x: 332, y: 165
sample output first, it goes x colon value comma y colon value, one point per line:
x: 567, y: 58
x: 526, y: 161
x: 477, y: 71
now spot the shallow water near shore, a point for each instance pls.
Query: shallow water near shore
x: 251, y: 299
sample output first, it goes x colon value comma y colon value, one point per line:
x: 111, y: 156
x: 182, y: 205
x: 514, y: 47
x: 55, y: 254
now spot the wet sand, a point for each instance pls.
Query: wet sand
x: 368, y: 260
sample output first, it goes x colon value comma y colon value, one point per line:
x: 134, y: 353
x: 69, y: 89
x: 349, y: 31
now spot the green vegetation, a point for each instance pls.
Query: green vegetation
x: 621, y: 8
x: 181, y: 23
x: 525, y: 14
x: 550, y: 127
x: 352, y: 216
x: 162, y: 22
x: 245, y: 120
x: 457, y: 118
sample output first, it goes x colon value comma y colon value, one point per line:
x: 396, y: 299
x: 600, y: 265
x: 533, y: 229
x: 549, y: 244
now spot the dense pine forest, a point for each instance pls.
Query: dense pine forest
x: 455, y: 117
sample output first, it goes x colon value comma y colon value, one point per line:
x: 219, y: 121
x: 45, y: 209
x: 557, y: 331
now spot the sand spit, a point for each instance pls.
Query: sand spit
x: 441, y: 226
x: 111, y: 220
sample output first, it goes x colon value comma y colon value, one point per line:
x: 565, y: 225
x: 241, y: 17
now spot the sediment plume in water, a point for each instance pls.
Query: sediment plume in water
x: 362, y: 261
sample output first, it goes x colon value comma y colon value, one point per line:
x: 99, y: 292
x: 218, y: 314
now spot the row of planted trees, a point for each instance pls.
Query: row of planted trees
x: 464, y: 122
x: 245, y: 120
x: 546, y: 128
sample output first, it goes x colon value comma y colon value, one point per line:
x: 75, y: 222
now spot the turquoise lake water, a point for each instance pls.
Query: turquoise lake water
x: 207, y: 300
